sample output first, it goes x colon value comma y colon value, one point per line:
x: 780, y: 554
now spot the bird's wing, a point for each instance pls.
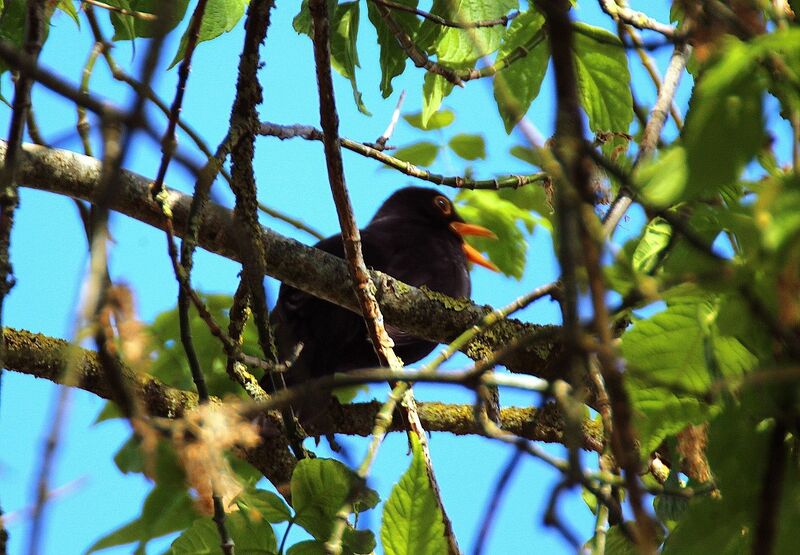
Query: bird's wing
x: 329, y: 333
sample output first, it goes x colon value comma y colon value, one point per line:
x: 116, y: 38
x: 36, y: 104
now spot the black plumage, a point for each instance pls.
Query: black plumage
x: 416, y: 237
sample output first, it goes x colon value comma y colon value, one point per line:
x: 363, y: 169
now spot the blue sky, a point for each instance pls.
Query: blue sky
x: 49, y: 257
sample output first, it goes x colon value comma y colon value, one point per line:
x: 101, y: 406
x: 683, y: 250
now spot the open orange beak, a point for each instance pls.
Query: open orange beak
x: 465, y: 229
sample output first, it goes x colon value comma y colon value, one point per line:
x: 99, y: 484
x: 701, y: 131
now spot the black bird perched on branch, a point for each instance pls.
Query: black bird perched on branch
x: 417, y: 237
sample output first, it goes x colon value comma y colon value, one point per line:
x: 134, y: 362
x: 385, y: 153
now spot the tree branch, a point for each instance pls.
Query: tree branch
x: 46, y: 357
x: 424, y: 313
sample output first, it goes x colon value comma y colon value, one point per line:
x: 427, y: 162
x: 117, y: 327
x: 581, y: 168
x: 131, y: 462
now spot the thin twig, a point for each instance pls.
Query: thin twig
x: 310, y: 133
x: 413, y: 52
x: 83, y: 122
x: 144, y: 16
x: 637, y: 19
x: 652, y: 131
x: 9, y: 195
x: 380, y: 144
x: 9, y: 200
x: 650, y: 66
x: 496, y: 496
x: 362, y: 285
x: 58, y: 420
x: 577, y: 219
x: 299, y: 224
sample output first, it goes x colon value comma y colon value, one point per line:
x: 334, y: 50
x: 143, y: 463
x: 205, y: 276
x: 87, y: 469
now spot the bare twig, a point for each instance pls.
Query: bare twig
x: 637, y: 19
x: 144, y: 16
x: 494, y: 502
x: 58, y: 419
x: 576, y: 217
x: 362, y: 285
x: 312, y: 134
x: 380, y: 144
x: 652, y: 131
x: 650, y: 66
x: 9, y: 200
x: 83, y: 122
x: 299, y: 224
x: 9, y: 196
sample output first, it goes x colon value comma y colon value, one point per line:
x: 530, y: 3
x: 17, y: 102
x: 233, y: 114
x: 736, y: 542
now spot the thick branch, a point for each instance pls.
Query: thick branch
x: 424, y: 313
x: 46, y: 357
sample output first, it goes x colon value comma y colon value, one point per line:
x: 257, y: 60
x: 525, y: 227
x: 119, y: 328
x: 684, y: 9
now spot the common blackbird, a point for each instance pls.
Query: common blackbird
x: 417, y: 237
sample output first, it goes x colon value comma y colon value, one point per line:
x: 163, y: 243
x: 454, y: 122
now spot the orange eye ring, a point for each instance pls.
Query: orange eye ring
x: 443, y: 204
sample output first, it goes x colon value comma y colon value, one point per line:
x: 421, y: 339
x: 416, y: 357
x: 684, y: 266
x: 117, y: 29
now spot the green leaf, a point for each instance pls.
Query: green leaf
x: 672, y: 359
x: 419, y: 154
x: 68, y: 7
x: 437, y: 120
x: 434, y: 89
x: 738, y: 451
x: 109, y: 412
x: 649, y: 251
x: 170, y: 365
x: 662, y: 181
x: 670, y: 508
x: 344, y: 55
x: 724, y: 125
x: 220, y: 16
x: 308, y: 547
x: 412, y: 522
x: 603, y: 79
x: 320, y: 488
x: 778, y: 210
x: 516, y: 86
x: 344, y: 34
x: 251, y: 537
x: 469, y: 147
x: 268, y: 505
x: 617, y: 543
x: 392, y: 56
x: 127, y: 27
x: 12, y: 25
x: 489, y: 209
x: 166, y: 510
x: 464, y: 46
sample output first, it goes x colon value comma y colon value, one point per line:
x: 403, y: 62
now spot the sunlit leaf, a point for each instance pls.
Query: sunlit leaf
x: 672, y: 359
x: 469, y: 147
x: 464, y: 46
x: 68, y: 7
x: 434, y: 89
x: 412, y: 522
x: 166, y: 509
x: 392, y: 57
x: 220, y: 16
x: 438, y: 120
x: 603, y: 79
x: 724, y: 125
x: 419, y: 154
x: 320, y: 488
x: 516, y: 86
x: 127, y: 27
x: 251, y: 537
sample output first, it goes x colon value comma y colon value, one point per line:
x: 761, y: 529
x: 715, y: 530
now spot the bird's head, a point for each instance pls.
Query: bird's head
x: 433, y: 209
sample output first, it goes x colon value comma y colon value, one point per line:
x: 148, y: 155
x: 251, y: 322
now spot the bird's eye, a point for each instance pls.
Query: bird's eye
x: 443, y: 204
